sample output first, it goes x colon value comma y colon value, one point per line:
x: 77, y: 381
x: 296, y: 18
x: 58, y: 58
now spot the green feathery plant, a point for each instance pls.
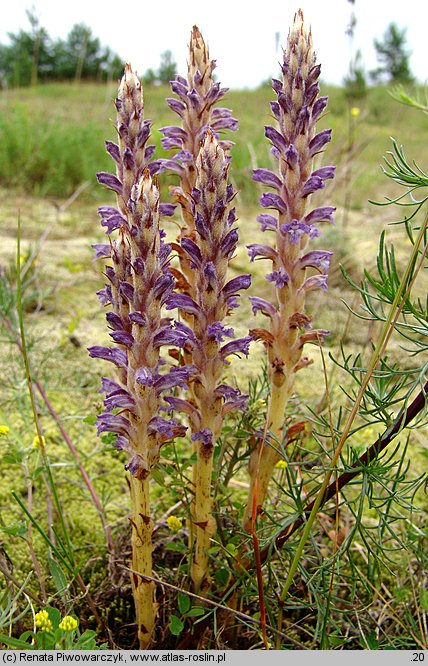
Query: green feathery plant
x: 384, y: 390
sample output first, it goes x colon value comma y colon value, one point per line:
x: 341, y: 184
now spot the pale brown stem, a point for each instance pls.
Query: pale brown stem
x: 264, y: 458
x: 203, y: 521
x: 142, y: 588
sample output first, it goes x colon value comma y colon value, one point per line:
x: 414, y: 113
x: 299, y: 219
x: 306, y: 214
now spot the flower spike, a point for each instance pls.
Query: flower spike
x: 295, y: 142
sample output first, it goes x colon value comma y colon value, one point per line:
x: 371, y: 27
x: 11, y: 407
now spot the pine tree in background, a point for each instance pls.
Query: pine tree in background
x: 393, y: 56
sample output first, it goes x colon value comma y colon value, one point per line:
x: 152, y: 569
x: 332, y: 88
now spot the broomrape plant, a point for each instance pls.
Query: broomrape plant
x: 154, y: 398
x: 214, y: 297
x: 206, y: 243
x: 141, y: 282
x: 294, y: 145
x: 139, y: 285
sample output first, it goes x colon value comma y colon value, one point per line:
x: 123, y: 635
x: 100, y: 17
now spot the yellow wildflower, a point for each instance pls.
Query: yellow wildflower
x: 39, y: 440
x: 281, y: 464
x: 174, y: 524
x: 42, y: 621
x: 4, y: 430
x: 23, y: 258
x: 355, y: 111
x: 68, y: 623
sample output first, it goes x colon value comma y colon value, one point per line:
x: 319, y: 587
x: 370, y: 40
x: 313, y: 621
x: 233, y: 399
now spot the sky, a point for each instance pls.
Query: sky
x: 240, y: 34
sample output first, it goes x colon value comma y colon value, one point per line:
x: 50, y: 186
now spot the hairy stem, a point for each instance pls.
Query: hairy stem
x: 203, y: 519
x: 264, y: 458
x: 142, y: 589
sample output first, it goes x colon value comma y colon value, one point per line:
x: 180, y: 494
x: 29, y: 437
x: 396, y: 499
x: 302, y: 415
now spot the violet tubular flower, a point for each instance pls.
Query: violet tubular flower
x: 210, y: 340
x: 295, y: 142
x: 140, y: 283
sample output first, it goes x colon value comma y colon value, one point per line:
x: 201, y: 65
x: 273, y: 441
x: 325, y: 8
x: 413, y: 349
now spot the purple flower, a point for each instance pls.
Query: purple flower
x: 201, y: 227
x: 126, y: 290
x: 210, y: 274
x: 169, y: 336
x: 263, y: 306
x: 186, y: 331
x: 276, y: 138
x: 315, y: 282
x: 272, y: 200
x: 169, y: 144
x: 319, y: 141
x: 227, y: 392
x: 204, y: 436
x: 219, y: 332
x: 313, y: 184
x: 195, y: 100
x: 116, y: 356
x: 138, y: 318
x: 232, y: 302
x: 102, y: 250
x: 275, y: 109
x: 238, y: 402
x: 277, y: 85
x: 113, y: 423
x: 296, y: 230
x: 144, y: 377
x: 170, y: 165
x: 229, y: 243
x: 180, y: 89
x: 105, y: 296
x: 279, y: 277
x: 167, y: 428
x: 225, y: 123
x: 325, y: 173
x: 163, y: 287
x: 238, y: 346
x: 119, y: 399
x: 176, y: 106
x: 121, y: 443
x: 236, y: 284
x: 108, y: 385
x: 180, y: 405
x: 123, y: 338
x: 267, y: 222
x: 261, y: 250
x: 110, y: 181
x: 115, y: 322
x: 113, y: 150
x: 173, y: 132
x: 183, y: 302
x: 323, y: 214
x: 177, y: 376
x: 135, y: 465
x: 267, y: 178
x: 317, y: 259
x: 166, y: 209
x: 291, y: 156
x: 319, y: 107
x: 193, y: 252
